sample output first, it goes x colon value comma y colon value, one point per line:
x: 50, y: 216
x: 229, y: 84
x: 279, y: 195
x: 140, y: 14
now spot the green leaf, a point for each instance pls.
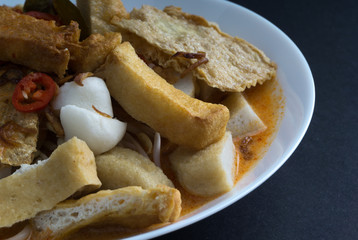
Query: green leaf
x: 67, y: 11
x: 38, y: 5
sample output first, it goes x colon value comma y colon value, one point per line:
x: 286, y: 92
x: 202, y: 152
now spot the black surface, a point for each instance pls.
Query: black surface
x: 314, y: 195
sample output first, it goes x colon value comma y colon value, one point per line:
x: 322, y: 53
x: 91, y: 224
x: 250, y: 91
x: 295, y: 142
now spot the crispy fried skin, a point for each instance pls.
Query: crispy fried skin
x: 149, y: 98
x: 37, y: 44
x: 98, y: 15
x: 92, y: 52
x: 18, y: 135
x: 35, y: 188
x: 234, y: 64
x: 131, y: 207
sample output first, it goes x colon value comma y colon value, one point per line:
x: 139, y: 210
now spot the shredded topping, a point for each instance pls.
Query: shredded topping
x: 101, y: 113
x: 200, y: 56
x: 82, y: 76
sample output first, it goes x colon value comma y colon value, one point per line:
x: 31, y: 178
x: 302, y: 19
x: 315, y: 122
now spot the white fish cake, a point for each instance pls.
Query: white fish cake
x: 234, y: 64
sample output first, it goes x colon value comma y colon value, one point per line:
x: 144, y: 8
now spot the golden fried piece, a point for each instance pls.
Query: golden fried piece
x: 131, y: 207
x: 37, y: 44
x: 98, y: 13
x: 38, y: 187
x: 208, y: 172
x: 233, y: 65
x: 149, y: 98
x: 123, y: 167
x: 243, y: 119
x: 92, y: 52
x: 18, y: 135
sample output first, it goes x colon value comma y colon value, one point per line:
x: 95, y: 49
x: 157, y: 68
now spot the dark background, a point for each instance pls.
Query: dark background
x: 314, y: 195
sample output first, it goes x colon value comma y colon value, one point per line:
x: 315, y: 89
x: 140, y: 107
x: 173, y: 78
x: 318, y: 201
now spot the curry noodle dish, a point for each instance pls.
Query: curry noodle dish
x: 114, y: 123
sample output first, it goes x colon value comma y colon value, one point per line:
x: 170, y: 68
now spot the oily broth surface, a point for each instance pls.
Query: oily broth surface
x: 268, y: 102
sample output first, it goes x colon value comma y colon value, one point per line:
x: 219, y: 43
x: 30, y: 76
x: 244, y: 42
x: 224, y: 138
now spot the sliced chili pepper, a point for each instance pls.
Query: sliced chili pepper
x: 33, y: 92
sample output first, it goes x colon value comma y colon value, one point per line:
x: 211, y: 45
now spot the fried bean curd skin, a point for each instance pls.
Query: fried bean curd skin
x: 37, y: 44
x: 131, y: 207
x: 150, y: 99
x: 122, y: 167
x: 233, y: 63
x: 38, y: 187
x: 207, y: 172
x: 18, y: 135
x: 98, y: 14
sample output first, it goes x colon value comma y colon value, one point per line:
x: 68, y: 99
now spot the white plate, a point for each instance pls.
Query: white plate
x: 293, y: 74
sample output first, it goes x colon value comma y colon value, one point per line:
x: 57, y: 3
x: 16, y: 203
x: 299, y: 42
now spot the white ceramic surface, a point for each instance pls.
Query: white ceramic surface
x: 294, y: 76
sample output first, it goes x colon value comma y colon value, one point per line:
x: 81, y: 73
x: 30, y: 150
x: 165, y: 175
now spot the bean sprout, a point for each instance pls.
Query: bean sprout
x: 156, y: 149
x: 24, y: 234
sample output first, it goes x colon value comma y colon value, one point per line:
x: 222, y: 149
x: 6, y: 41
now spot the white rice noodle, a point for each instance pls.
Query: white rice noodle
x: 24, y: 234
x: 156, y: 149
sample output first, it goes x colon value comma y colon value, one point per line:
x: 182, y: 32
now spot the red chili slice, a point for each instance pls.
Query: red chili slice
x: 33, y: 92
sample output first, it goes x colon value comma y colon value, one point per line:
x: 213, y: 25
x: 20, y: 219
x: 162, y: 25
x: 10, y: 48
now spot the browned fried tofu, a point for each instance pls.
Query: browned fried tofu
x: 123, y: 167
x: 18, y: 135
x: 98, y: 14
x: 38, y: 187
x: 92, y: 52
x: 149, y: 98
x: 131, y: 207
x: 37, y: 44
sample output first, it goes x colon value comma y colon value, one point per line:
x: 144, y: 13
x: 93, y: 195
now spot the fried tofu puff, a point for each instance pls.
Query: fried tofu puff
x: 38, y: 187
x: 98, y: 15
x: 243, y: 119
x: 37, y: 44
x: 122, y: 167
x: 207, y: 172
x: 150, y: 99
x: 131, y: 207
